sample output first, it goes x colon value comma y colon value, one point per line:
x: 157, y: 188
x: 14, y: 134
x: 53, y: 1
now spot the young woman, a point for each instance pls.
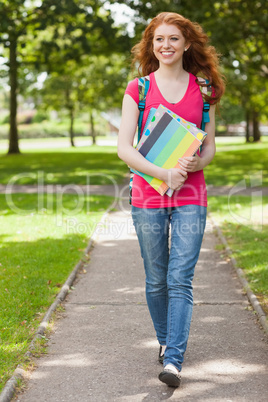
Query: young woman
x: 175, y: 53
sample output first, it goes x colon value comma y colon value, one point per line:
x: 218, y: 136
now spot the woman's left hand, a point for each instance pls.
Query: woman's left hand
x: 191, y: 163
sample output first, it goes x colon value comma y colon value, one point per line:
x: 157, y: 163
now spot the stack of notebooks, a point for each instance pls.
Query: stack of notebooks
x: 166, y: 138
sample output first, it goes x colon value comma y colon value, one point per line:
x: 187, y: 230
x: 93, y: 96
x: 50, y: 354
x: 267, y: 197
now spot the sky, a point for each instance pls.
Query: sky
x: 122, y: 14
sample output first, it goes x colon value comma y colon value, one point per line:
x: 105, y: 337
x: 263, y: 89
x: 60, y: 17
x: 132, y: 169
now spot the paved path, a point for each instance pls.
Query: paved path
x: 26, y: 144
x: 104, y: 347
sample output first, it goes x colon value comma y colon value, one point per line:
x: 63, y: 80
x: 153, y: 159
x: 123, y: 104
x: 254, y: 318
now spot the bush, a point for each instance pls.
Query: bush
x: 39, y: 117
x: 41, y: 127
x: 5, y: 119
x: 25, y: 117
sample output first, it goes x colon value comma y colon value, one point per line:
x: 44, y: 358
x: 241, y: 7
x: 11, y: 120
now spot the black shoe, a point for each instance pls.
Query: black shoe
x: 161, y: 355
x: 170, y: 378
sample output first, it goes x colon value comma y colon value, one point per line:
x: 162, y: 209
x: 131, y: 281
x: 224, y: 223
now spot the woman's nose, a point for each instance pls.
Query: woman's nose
x: 166, y: 43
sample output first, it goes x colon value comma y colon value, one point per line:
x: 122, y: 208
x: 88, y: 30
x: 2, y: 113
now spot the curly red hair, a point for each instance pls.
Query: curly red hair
x: 200, y: 59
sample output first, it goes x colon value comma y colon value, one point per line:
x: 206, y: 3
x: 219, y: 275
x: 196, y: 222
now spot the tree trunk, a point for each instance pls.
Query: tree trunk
x: 247, y: 126
x: 13, y: 82
x: 256, y: 128
x: 71, y: 110
x: 69, y: 106
x: 92, y: 127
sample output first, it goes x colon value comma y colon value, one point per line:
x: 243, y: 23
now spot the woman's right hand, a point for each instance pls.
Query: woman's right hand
x: 175, y: 178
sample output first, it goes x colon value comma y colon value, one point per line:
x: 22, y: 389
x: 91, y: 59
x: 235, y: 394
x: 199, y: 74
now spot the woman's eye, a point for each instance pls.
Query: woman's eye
x: 174, y: 38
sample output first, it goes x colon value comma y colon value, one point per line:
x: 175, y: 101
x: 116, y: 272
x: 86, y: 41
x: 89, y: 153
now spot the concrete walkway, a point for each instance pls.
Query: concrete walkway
x: 104, y: 347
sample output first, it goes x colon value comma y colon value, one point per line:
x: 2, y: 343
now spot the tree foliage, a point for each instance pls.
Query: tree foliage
x: 46, y: 35
x: 93, y: 86
x: 241, y: 37
x: 85, y: 55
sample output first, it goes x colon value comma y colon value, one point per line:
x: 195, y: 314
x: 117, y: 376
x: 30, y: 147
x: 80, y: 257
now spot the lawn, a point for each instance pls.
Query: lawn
x: 227, y: 143
x: 243, y: 220
x: 40, y: 246
x: 244, y: 223
x: 234, y: 163
x: 82, y: 165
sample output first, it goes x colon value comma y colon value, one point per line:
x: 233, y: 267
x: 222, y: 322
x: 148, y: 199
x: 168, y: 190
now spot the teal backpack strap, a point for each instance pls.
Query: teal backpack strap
x: 205, y: 115
x: 143, y: 86
x: 206, y: 106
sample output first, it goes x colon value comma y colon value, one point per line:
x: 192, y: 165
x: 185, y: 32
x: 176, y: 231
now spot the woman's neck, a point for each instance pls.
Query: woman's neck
x: 171, y: 72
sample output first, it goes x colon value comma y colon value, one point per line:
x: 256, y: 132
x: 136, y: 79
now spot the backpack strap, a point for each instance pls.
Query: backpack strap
x: 207, y: 90
x: 143, y: 86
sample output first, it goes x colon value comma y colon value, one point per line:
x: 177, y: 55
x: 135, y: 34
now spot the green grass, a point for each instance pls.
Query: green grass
x: 94, y: 165
x: 231, y: 167
x: 42, y: 238
x: 234, y: 162
x: 230, y: 142
x: 244, y: 223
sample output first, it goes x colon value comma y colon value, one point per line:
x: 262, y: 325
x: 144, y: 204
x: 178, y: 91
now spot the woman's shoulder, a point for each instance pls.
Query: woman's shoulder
x: 132, y: 84
x: 132, y: 89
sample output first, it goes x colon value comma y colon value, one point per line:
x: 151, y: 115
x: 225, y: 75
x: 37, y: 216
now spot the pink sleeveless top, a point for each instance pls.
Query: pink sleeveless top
x: 190, y: 108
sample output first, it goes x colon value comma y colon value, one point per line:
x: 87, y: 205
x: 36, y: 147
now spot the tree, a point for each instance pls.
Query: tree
x: 101, y: 85
x: 59, y: 31
x: 93, y: 85
x: 58, y: 94
x: 241, y: 37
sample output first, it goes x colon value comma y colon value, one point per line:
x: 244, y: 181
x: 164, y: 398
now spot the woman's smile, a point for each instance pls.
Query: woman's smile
x: 165, y: 53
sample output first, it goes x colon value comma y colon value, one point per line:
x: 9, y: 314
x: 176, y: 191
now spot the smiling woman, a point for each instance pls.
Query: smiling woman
x: 172, y: 51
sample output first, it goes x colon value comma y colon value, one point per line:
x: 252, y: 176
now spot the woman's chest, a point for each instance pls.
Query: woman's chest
x: 190, y: 107
x: 172, y: 93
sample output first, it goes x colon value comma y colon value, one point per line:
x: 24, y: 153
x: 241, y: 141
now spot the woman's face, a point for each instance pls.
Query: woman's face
x: 168, y: 44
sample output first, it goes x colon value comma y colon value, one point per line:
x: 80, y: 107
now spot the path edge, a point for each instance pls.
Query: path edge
x: 240, y: 273
x: 19, y: 373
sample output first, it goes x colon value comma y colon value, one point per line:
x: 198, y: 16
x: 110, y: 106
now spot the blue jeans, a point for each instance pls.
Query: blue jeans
x: 170, y: 240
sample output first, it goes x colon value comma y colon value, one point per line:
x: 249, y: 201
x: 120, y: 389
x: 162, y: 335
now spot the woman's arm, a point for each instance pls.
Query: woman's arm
x: 130, y: 114
x: 195, y: 163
